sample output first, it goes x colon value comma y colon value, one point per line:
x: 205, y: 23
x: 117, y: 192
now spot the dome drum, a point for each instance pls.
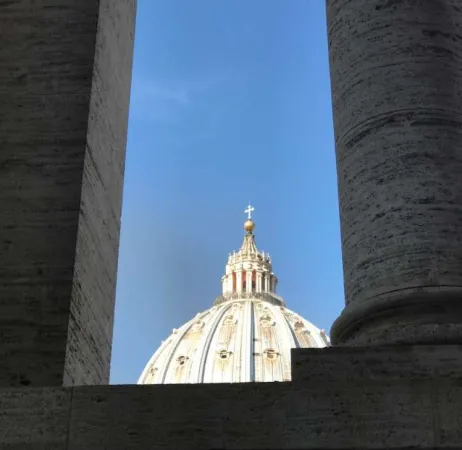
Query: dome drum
x: 268, y: 297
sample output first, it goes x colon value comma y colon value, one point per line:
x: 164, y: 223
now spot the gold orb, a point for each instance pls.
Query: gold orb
x: 249, y: 225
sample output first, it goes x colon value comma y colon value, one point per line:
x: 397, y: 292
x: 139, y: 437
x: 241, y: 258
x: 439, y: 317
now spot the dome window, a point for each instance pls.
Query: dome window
x: 182, y: 360
x: 271, y: 354
x: 224, y: 354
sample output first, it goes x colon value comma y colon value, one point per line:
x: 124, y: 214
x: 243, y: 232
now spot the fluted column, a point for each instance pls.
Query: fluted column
x: 396, y: 76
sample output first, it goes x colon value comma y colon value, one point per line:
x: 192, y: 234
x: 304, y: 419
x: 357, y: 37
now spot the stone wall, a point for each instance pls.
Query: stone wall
x: 356, y: 398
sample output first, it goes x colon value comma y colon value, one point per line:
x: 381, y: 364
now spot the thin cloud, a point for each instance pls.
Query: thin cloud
x: 156, y: 91
x: 154, y: 101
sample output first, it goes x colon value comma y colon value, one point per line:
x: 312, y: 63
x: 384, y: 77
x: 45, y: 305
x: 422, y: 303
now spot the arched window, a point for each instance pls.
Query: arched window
x: 234, y: 281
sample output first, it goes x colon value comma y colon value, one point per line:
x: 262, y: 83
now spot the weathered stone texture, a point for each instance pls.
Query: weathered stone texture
x: 377, y: 363
x: 64, y: 81
x: 377, y: 409
x: 34, y: 418
x: 252, y: 416
x: 448, y: 413
x: 396, y: 71
x: 89, y: 343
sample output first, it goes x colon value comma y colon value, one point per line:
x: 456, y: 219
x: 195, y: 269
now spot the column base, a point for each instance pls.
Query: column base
x: 429, y: 315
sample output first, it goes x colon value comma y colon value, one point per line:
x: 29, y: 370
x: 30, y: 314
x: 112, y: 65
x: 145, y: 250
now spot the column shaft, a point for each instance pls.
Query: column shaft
x: 396, y: 76
x: 259, y: 282
x: 249, y: 282
x: 239, y: 282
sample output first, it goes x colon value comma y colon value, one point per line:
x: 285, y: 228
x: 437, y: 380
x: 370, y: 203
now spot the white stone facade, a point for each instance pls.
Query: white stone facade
x: 246, y: 336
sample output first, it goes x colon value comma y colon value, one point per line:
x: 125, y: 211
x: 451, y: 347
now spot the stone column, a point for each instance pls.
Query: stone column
x: 65, y: 71
x: 239, y: 281
x: 230, y: 282
x: 259, y: 283
x: 248, y: 282
x: 396, y: 73
x: 266, y: 279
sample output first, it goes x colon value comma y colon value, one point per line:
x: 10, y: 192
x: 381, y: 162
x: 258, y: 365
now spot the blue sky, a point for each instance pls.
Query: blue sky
x: 230, y: 102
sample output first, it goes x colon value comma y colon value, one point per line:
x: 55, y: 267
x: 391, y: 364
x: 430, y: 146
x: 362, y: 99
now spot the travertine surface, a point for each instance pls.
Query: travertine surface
x: 34, y: 418
x: 88, y: 350
x: 377, y: 363
x: 377, y: 409
x: 253, y: 416
x: 396, y: 70
x: 64, y: 81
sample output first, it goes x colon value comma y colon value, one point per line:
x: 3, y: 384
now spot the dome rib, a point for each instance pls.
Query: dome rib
x: 260, y: 343
x: 252, y: 342
x: 175, y: 348
x: 292, y: 333
x: 208, y: 342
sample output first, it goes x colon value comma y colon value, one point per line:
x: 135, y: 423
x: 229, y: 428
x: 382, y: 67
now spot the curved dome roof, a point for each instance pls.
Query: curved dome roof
x: 246, y: 336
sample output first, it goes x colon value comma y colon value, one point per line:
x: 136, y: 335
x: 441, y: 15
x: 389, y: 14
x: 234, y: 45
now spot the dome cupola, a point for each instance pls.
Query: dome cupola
x: 247, y: 335
x: 248, y: 272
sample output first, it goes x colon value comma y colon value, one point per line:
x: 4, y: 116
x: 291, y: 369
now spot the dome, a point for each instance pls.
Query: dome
x: 247, y: 335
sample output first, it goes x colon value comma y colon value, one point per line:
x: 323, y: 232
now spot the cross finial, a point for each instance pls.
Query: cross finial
x: 249, y: 210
